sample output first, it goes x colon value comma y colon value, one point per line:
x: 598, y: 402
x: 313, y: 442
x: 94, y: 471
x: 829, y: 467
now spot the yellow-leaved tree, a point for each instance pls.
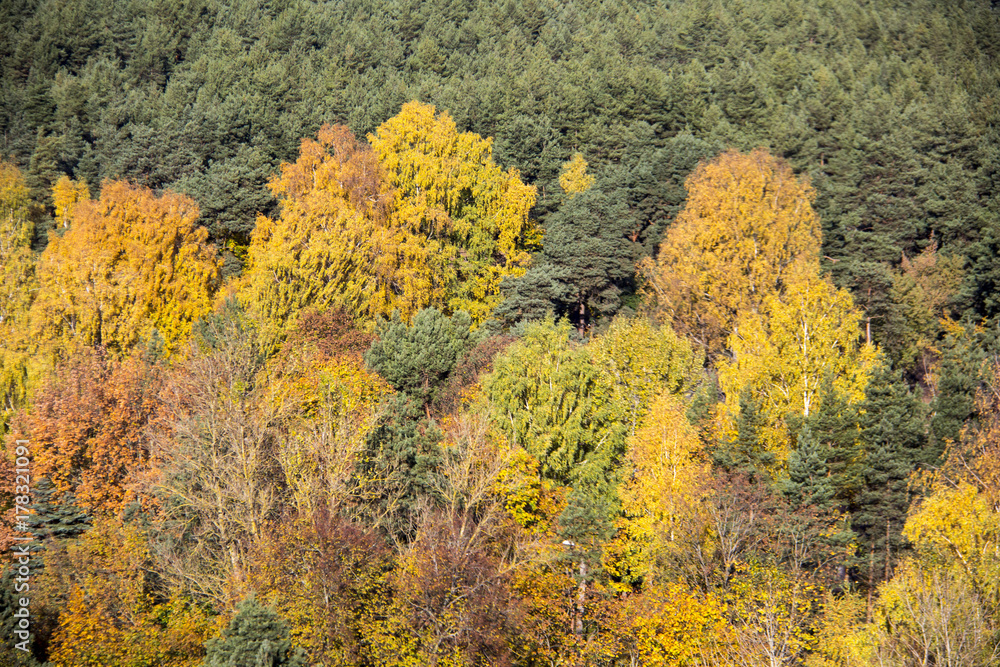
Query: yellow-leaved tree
x: 644, y: 361
x: 574, y: 178
x: 746, y: 231
x: 449, y: 195
x: 17, y: 283
x: 66, y: 194
x: 426, y: 219
x: 130, y: 264
x: 332, y: 245
x: 666, y: 475
x: 16, y: 229
x: 784, y: 353
x: 109, y: 609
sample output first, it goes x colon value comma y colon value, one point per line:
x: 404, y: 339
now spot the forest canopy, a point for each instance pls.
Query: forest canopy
x: 464, y: 333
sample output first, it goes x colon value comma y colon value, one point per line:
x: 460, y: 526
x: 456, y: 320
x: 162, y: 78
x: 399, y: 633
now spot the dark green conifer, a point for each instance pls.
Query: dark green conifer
x: 55, y: 518
x: 893, y: 434
x: 417, y: 358
x: 256, y: 637
x: 745, y: 455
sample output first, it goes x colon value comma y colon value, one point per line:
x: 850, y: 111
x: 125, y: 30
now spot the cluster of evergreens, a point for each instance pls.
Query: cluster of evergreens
x: 653, y: 333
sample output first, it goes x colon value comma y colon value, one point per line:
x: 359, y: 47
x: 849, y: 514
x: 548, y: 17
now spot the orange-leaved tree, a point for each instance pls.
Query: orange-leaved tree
x: 111, y: 610
x: 332, y: 245
x: 421, y: 218
x: 87, y: 428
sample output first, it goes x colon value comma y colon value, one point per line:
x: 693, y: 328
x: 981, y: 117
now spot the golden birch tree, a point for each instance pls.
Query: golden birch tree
x: 130, y: 264
x: 785, y: 352
x: 17, y: 284
x: 470, y: 215
x: 746, y: 231
x: 332, y: 245
x: 574, y: 178
x: 66, y: 193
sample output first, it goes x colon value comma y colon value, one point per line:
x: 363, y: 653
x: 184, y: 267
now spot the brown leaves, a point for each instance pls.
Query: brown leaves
x: 87, y: 428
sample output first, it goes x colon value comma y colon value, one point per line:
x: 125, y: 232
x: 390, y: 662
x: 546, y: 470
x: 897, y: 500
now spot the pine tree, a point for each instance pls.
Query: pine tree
x: 417, y: 358
x: 894, y: 438
x: 401, y: 456
x: 398, y: 465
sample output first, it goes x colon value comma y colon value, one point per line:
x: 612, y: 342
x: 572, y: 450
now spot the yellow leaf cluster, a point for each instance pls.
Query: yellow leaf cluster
x: 66, y: 194
x: 785, y: 351
x: 448, y: 190
x: 666, y: 474
x: 16, y: 261
x: 643, y: 361
x: 574, y: 178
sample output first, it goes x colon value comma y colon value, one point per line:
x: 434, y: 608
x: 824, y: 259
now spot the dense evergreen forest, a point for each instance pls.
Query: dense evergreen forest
x: 520, y: 332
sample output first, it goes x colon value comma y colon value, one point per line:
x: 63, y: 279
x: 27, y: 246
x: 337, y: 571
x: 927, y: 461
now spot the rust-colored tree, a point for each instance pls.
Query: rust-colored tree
x: 87, y: 428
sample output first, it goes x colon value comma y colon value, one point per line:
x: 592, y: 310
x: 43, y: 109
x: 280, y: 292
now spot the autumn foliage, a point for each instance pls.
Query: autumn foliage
x: 747, y: 231
x: 131, y: 266
x: 340, y: 458
x: 87, y: 427
x: 422, y: 217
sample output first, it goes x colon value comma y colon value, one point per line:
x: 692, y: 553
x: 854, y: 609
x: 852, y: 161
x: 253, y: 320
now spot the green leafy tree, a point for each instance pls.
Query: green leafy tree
x: 17, y: 277
x: 644, y: 361
x: 549, y: 397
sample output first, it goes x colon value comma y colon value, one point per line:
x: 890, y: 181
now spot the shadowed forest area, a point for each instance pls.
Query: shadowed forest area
x: 520, y: 333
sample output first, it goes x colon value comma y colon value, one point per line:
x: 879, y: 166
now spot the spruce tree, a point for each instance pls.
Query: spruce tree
x: 834, y: 426
x: 809, y: 482
x: 256, y: 637
x: 55, y: 518
x: 745, y: 454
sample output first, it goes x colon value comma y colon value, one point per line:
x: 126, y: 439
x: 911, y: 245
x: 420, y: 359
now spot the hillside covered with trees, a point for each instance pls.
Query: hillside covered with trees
x: 501, y: 333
